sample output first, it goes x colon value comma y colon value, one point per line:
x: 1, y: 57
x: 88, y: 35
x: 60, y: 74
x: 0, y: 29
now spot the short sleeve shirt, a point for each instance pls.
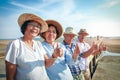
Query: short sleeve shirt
x: 83, y: 61
x: 59, y: 70
x: 30, y: 62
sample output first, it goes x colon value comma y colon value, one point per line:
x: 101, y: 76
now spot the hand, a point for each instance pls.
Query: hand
x: 58, y: 52
x: 95, y: 46
x: 95, y: 49
x: 76, y: 52
x: 103, y: 47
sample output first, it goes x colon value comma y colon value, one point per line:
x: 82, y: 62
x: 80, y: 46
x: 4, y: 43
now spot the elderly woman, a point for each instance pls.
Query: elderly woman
x: 57, y: 69
x: 25, y: 57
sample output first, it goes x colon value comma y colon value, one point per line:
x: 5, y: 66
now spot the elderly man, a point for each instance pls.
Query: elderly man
x: 84, y: 65
x: 85, y: 48
x: 74, y: 47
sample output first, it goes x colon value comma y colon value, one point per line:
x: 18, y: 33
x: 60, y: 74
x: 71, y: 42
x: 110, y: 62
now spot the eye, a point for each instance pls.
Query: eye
x: 39, y: 27
x: 33, y: 25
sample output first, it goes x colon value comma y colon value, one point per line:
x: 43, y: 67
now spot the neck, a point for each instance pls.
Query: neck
x: 68, y: 43
x: 27, y: 39
x: 28, y: 42
x: 52, y: 43
x: 81, y: 40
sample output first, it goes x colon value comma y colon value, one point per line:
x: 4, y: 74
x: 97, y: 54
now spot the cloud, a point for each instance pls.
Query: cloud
x: 110, y: 3
x: 25, y: 6
x: 64, y: 12
x: 67, y: 13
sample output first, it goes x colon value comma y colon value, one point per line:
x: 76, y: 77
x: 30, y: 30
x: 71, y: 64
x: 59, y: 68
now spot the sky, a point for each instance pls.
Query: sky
x: 98, y: 17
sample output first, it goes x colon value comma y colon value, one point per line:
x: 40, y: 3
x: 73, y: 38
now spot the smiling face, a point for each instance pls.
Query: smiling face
x: 50, y: 35
x: 82, y: 37
x: 68, y: 38
x: 32, y: 29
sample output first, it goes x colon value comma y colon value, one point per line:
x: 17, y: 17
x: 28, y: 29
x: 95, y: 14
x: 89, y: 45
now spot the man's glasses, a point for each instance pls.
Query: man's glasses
x: 33, y: 25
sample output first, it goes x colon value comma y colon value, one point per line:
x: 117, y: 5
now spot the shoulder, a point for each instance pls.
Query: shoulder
x: 14, y: 43
x: 38, y: 42
x: 87, y: 44
x: 61, y: 45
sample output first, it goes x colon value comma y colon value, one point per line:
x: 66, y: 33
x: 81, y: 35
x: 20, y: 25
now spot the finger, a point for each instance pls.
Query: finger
x: 57, y: 45
x: 76, y: 46
x: 77, y: 49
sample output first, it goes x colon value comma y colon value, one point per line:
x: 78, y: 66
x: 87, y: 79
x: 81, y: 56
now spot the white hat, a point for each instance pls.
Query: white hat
x: 70, y: 30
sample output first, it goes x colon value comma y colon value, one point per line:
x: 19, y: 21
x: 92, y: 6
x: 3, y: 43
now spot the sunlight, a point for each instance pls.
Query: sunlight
x: 104, y: 28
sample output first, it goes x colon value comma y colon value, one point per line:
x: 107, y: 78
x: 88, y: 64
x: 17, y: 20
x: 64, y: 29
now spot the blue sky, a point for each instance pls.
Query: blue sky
x: 99, y: 17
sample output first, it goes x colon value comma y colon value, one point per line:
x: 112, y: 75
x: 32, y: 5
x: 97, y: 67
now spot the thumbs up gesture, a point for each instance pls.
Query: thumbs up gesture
x: 95, y: 48
x: 58, y: 52
x: 76, y: 51
x: 102, y: 47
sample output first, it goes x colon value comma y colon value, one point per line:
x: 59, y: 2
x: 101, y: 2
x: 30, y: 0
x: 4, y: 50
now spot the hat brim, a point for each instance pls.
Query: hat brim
x: 83, y: 33
x: 27, y: 16
x: 57, y: 25
x: 70, y: 33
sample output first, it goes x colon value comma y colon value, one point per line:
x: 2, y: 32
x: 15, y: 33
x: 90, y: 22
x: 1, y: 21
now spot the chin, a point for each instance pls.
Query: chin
x: 34, y: 35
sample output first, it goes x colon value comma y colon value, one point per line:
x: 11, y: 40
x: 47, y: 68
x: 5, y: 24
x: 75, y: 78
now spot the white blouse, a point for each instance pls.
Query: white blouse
x: 30, y: 62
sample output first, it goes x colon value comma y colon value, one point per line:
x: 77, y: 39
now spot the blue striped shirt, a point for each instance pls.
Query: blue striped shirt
x: 59, y: 70
x: 74, y: 67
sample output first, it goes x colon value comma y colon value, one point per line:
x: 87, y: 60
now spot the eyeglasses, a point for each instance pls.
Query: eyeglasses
x: 33, y: 25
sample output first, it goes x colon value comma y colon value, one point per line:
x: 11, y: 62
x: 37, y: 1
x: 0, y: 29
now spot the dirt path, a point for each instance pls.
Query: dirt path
x: 108, y: 68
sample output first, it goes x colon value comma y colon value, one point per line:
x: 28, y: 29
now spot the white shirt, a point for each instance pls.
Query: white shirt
x: 30, y: 62
x: 83, y: 61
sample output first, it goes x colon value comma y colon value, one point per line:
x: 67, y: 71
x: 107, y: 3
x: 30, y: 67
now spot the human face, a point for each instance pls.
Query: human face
x: 82, y: 37
x: 68, y: 38
x: 50, y: 34
x: 33, y: 29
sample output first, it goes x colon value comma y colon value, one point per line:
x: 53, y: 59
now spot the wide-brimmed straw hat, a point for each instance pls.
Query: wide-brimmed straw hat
x: 83, y: 31
x: 28, y: 16
x: 58, y: 27
x: 70, y: 30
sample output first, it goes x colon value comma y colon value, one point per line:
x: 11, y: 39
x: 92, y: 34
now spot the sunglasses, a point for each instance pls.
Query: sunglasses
x: 33, y: 25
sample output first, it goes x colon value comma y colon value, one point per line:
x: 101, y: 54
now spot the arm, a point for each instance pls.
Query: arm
x: 87, y: 53
x: 94, y: 50
x: 49, y: 61
x: 101, y: 48
x: 10, y: 71
x: 58, y: 52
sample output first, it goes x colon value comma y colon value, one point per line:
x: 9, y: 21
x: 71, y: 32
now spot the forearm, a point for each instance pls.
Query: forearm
x: 96, y: 52
x: 74, y: 56
x: 49, y: 62
x: 87, y: 53
x: 10, y: 71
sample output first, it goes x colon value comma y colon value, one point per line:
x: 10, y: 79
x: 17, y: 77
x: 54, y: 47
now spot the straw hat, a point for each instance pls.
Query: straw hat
x: 70, y: 30
x: 83, y: 31
x: 28, y: 16
x: 58, y: 27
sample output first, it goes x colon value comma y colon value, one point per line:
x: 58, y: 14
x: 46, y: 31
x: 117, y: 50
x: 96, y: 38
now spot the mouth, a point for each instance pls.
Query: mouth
x: 34, y: 31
